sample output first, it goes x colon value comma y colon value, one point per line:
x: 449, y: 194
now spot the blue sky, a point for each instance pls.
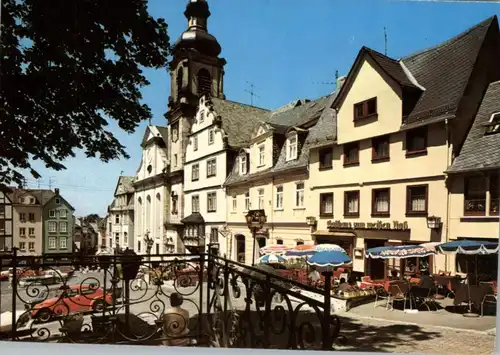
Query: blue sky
x: 286, y: 48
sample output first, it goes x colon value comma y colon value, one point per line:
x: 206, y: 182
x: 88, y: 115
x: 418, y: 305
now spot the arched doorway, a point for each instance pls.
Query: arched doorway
x: 240, y: 248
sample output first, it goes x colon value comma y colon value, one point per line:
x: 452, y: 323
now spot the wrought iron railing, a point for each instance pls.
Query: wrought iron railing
x: 127, y: 299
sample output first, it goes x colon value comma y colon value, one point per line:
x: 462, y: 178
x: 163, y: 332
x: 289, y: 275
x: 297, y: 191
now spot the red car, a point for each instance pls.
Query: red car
x: 75, y: 299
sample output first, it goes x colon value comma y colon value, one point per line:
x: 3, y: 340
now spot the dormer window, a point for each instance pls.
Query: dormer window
x: 211, y: 136
x: 493, y: 126
x: 243, y: 164
x: 291, y: 151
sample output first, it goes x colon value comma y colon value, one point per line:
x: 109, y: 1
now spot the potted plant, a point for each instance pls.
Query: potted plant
x: 131, y: 262
x: 73, y: 323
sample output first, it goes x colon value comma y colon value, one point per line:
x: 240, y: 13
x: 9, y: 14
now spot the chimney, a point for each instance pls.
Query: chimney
x: 340, y: 82
x: 56, y: 190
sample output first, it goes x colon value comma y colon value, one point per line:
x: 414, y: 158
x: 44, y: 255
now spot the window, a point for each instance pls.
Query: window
x: 2, y: 226
x: 204, y: 82
x: 351, y: 203
x: 247, y: 201
x: 243, y: 164
x: 235, y: 203
x: 174, y: 203
x: 299, y: 242
x: 63, y: 243
x: 211, y: 202
x: 195, y: 143
x: 32, y: 200
x: 475, y: 196
x: 416, y: 197
x: 279, y: 197
x: 22, y: 217
x: 262, y: 155
x: 211, y: 167
x: 31, y: 217
x: 214, y: 235
x: 175, y: 159
x: 195, y: 203
x: 493, y: 126
x: 494, y: 194
x: 380, y: 148
x: 351, y: 153
x: 52, y: 242
x: 326, y: 204
x: 416, y: 141
x: 365, y: 109
x: 210, y: 136
x: 139, y: 246
x: 299, y: 195
x: 63, y: 227
x: 22, y: 246
x: 52, y: 227
x: 125, y: 238
x: 381, y: 202
x: 195, y: 172
x: 63, y: 214
x: 157, y: 248
x: 279, y: 241
x: 52, y: 213
x: 58, y: 201
x: 261, y: 199
x: 202, y: 116
x: 292, y: 148
x: 31, y: 231
x: 117, y: 218
x: 326, y: 158
x: 2, y: 210
x: 179, y: 81
x: 31, y: 246
x: 22, y: 232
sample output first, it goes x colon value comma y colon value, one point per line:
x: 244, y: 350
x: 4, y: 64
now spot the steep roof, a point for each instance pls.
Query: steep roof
x: 156, y: 131
x: 299, y: 115
x: 238, y: 120
x: 481, y: 151
x: 444, y: 71
x: 125, y: 185
x: 42, y: 196
x: 324, y: 132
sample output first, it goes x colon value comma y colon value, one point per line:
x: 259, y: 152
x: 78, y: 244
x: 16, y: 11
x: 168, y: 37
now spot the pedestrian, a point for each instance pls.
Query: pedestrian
x: 176, y: 322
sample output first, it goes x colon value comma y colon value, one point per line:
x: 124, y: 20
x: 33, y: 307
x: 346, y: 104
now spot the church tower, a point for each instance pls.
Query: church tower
x: 195, y: 70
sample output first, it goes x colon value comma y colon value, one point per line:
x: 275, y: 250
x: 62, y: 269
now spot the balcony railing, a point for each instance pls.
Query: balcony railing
x: 475, y: 207
x: 495, y: 206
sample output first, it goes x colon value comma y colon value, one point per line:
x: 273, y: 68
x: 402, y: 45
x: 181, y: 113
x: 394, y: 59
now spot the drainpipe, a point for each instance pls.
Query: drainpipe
x: 448, y: 195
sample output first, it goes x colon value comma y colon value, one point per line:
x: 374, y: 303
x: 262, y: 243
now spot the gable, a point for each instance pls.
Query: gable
x: 51, y: 202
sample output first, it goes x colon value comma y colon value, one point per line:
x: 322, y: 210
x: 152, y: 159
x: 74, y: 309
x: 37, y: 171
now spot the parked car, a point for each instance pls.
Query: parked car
x: 74, y: 299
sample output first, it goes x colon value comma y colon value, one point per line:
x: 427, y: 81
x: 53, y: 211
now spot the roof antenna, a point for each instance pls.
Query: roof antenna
x: 385, y: 41
x: 251, y: 92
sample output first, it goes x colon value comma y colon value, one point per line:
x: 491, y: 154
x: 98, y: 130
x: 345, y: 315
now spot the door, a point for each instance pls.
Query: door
x: 375, y: 268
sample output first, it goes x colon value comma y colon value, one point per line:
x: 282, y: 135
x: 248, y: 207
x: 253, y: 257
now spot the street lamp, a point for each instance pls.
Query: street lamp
x: 255, y: 221
x: 433, y: 222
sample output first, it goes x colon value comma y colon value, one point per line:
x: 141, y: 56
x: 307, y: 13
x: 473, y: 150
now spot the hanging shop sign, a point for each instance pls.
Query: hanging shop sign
x: 379, y: 225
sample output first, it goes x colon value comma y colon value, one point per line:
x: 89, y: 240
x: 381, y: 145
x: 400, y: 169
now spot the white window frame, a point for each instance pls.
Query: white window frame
x: 262, y: 155
x: 29, y: 231
x: 22, y: 217
x: 195, y: 172
x: 63, y: 214
x: 22, y: 232
x: 291, y: 148
x: 31, y: 246
x: 212, y: 199
x: 175, y: 160
x: 243, y: 164
x: 279, y: 197
x: 52, y: 224
x: 202, y: 116
x: 235, y: 203
x: 211, y: 136
x: 63, y: 243
x: 29, y: 217
x: 211, y: 167
x: 260, y: 196
x: 22, y: 246
x: 52, y: 213
x: 195, y: 143
x: 248, y: 205
x: 299, y: 194
x: 193, y: 204
x: 63, y: 227
x: 52, y: 243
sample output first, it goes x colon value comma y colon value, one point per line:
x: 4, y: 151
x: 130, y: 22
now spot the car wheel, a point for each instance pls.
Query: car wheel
x: 44, y: 315
x: 99, y: 306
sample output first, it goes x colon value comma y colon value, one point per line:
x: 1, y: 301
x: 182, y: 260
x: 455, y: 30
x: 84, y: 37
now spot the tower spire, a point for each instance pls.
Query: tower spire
x: 197, y: 13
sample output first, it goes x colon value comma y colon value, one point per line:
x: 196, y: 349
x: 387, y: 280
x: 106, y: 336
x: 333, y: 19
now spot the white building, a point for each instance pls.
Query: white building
x: 220, y: 129
x: 121, y: 214
x: 151, y: 193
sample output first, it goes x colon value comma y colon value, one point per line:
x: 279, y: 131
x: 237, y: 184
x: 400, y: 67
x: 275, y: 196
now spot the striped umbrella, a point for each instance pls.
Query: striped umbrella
x: 301, y: 250
x: 274, y: 249
x: 271, y: 259
x: 329, y: 260
x: 329, y: 247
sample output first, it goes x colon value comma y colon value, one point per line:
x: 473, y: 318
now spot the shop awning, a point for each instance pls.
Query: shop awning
x: 334, y: 234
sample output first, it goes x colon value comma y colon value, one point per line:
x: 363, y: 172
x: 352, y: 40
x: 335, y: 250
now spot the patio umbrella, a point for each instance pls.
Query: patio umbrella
x: 329, y: 247
x: 329, y: 260
x: 399, y: 252
x: 301, y: 250
x: 271, y: 259
x: 274, y: 249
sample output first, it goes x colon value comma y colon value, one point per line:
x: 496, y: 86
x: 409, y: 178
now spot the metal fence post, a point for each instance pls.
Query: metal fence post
x: 14, y: 293
x: 200, y: 323
x: 326, y: 341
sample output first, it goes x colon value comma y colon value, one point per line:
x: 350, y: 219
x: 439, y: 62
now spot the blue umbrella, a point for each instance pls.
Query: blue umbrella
x: 271, y: 259
x: 470, y: 247
x: 399, y: 252
x: 329, y: 260
x: 300, y: 253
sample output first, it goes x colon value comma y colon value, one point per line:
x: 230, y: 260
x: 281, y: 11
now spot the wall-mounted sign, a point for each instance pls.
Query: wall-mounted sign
x: 379, y: 225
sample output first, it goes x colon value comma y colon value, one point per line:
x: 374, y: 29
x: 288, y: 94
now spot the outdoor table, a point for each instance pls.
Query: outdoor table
x: 476, y: 295
x: 445, y: 281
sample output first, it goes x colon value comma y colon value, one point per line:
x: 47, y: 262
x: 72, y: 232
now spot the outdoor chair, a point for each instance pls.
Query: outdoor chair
x: 454, y: 285
x: 489, y: 298
x: 426, y: 296
x: 398, y: 291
